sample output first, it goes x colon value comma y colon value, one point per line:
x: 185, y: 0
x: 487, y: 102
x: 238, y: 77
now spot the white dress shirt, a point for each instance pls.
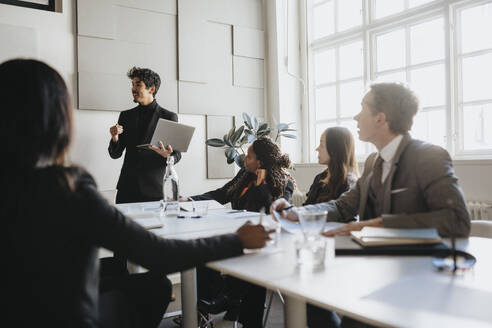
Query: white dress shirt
x: 387, y: 154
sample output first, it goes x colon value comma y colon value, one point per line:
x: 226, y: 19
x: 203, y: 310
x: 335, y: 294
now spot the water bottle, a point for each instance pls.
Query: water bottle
x: 170, y: 190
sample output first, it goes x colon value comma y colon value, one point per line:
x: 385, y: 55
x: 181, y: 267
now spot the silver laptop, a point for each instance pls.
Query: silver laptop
x: 171, y: 133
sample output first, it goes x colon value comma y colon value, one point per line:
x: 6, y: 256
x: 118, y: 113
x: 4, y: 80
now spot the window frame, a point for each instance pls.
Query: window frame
x: 449, y: 11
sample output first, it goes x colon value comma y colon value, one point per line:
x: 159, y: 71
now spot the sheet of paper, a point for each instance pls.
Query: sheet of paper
x: 149, y: 223
x: 212, y: 205
x: 295, y: 227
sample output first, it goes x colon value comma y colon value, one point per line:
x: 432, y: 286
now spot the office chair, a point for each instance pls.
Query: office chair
x: 480, y: 228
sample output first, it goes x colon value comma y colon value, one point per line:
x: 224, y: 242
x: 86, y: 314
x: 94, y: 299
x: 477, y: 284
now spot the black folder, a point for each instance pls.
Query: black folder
x: 344, y: 245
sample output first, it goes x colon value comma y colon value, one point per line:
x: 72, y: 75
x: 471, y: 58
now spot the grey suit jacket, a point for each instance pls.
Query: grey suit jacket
x: 421, y: 191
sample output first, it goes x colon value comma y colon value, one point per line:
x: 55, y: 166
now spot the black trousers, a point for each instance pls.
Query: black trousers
x: 133, y: 196
x: 131, y: 300
x: 211, y: 283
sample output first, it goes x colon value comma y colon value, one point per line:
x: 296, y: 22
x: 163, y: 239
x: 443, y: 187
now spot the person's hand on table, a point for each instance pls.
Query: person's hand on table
x: 353, y: 226
x: 279, y: 205
x: 260, y: 176
x: 115, y: 130
x: 253, y: 236
x: 162, y: 150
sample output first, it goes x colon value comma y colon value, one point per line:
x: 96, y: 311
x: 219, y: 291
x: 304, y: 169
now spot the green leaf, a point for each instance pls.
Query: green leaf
x: 291, y: 136
x: 239, y: 160
x: 247, y: 120
x: 235, y: 137
x: 243, y: 140
x: 215, y: 142
x: 263, y: 126
x: 284, y: 130
x: 263, y: 133
x: 230, y: 160
x: 282, y: 126
x: 248, y: 131
x: 226, y: 140
x: 230, y: 153
x: 255, y: 122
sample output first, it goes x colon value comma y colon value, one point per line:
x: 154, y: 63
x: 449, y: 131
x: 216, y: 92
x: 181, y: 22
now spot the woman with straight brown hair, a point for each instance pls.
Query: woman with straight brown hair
x: 336, y: 151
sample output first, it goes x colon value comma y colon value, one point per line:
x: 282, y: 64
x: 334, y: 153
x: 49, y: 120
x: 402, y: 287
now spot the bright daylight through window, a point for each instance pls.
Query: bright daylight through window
x: 441, y: 49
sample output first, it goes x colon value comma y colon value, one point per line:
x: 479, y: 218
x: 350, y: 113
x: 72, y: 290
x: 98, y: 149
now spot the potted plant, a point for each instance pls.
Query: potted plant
x: 234, y: 141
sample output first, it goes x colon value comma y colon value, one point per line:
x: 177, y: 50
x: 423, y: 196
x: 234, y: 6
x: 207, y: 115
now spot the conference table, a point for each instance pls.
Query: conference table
x: 387, y: 291
x: 217, y: 221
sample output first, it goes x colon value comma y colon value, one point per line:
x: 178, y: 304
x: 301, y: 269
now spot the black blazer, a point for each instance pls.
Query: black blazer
x: 253, y: 200
x: 50, y: 241
x: 143, y: 169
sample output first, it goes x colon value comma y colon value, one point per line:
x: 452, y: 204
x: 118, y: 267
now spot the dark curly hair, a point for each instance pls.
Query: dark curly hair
x: 148, y: 76
x: 274, y: 162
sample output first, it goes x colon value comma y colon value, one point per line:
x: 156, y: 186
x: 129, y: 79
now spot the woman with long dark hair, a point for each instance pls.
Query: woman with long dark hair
x: 54, y: 219
x: 336, y: 151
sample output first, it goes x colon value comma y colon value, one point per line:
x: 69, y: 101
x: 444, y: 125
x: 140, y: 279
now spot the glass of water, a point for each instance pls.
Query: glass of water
x: 310, y: 252
x: 311, y: 246
x: 312, y: 222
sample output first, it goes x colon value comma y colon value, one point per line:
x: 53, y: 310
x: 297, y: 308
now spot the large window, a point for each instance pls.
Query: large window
x: 441, y: 49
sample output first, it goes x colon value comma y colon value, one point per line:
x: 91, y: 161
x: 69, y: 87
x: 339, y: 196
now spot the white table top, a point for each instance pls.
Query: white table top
x: 217, y: 221
x: 381, y: 290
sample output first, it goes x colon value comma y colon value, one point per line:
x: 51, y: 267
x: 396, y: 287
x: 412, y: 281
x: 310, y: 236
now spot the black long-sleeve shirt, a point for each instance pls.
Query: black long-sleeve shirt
x: 143, y: 169
x: 255, y: 197
x: 51, y: 236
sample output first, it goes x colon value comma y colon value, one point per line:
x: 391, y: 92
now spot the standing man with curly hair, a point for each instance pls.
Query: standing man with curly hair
x: 140, y: 181
x: 143, y: 169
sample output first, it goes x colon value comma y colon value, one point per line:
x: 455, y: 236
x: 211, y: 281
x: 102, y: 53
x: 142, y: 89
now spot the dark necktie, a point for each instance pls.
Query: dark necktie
x: 377, y: 187
x: 377, y: 174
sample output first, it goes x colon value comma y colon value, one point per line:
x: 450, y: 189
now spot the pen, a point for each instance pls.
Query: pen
x: 236, y: 211
x: 286, y: 209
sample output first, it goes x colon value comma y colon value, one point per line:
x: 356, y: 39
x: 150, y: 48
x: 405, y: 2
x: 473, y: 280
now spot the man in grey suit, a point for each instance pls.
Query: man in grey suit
x: 408, y: 183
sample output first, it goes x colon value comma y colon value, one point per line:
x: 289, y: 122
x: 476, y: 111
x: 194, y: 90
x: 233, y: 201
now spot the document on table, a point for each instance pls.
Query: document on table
x: 295, y: 227
x: 212, y: 205
x: 150, y: 223
x: 147, y: 220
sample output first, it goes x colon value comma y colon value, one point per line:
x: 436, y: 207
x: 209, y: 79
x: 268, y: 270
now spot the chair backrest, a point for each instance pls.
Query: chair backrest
x: 480, y: 228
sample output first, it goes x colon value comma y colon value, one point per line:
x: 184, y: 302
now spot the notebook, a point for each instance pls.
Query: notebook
x: 374, y: 236
x: 171, y: 133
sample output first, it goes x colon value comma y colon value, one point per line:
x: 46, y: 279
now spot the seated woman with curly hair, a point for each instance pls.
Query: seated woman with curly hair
x: 262, y: 180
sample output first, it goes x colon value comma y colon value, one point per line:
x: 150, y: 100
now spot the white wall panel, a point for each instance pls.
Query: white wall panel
x: 248, y: 42
x: 191, y: 169
x: 96, y: 18
x: 102, y: 91
x: 113, y: 62
x: 112, y: 56
x: 218, y: 64
x: 248, y: 72
x: 217, y: 167
x: 90, y: 146
x: 247, y: 13
x: 139, y: 26
x: 18, y: 41
x: 193, y: 45
x: 163, y: 6
x: 196, y: 98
